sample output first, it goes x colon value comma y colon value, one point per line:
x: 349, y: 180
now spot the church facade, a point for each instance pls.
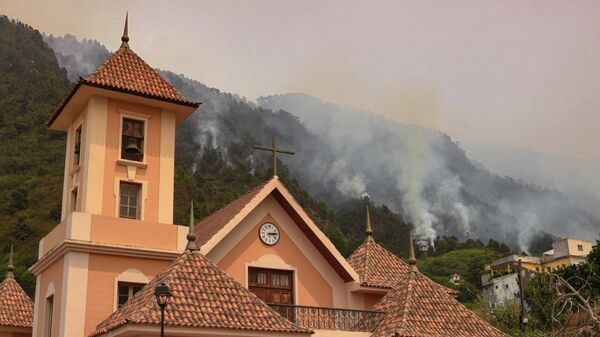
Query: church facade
x: 257, y: 267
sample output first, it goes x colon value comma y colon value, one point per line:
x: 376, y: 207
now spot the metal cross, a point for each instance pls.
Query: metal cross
x: 274, y: 150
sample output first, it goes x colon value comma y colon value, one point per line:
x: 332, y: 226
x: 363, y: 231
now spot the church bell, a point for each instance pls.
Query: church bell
x: 132, y: 147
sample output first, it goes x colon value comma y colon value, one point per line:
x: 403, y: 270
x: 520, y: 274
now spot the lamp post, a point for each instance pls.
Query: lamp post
x: 163, y: 295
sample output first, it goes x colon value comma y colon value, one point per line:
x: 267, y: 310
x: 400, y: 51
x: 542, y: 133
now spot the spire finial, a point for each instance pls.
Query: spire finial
x: 369, y: 230
x: 191, y: 235
x: 10, y: 268
x: 125, y: 37
x: 412, y: 260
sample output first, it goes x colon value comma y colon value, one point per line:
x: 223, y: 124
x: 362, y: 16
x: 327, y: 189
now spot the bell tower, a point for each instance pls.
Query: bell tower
x: 116, y: 230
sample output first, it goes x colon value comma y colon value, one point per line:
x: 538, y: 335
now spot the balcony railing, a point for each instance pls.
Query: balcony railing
x: 330, y: 318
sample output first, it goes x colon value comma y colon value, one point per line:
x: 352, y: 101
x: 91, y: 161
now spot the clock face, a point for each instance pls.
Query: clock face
x: 269, y: 233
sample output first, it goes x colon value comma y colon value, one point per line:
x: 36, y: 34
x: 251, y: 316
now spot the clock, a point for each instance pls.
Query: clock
x: 269, y: 233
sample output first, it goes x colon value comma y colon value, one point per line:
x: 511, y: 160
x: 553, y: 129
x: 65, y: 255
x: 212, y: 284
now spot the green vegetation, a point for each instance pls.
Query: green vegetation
x: 468, y: 263
x: 446, y: 244
x: 31, y: 173
x: 31, y: 156
x: 32, y: 161
x: 506, y: 318
x: 542, y: 295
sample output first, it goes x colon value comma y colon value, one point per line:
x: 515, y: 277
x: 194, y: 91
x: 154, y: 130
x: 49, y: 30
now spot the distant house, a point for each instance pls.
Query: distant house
x: 566, y: 252
x: 455, y: 279
x: 499, y: 280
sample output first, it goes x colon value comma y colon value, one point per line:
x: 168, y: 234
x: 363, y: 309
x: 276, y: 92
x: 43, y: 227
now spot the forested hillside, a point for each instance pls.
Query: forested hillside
x: 215, y: 161
x: 31, y: 156
x: 345, y: 153
x: 31, y: 160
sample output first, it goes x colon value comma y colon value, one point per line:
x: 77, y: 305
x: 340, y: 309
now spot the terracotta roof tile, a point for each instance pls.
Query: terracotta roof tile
x: 377, y: 266
x: 125, y: 71
x: 16, y: 308
x: 212, y: 224
x: 203, y: 297
x: 419, y: 307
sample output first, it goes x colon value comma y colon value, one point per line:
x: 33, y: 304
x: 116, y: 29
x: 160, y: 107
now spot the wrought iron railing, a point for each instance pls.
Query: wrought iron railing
x: 330, y: 318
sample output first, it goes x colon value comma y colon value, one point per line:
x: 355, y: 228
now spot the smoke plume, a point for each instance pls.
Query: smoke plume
x: 348, y: 153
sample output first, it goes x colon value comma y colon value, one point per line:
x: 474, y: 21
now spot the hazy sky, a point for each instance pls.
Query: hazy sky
x: 510, y: 73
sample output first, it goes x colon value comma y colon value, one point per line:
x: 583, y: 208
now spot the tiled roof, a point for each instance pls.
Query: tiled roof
x: 203, y: 297
x: 376, y: 266
x: 419, y: 307
x: 125, y: 71
x: 380, y: 268
x: 16, y: 308
x: 217, y: 220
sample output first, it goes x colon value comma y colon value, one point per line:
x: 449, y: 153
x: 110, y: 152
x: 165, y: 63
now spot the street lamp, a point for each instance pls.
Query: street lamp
x: 163, y: 295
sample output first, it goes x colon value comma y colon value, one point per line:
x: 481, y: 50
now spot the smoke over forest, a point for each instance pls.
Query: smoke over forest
x: 348, y: 153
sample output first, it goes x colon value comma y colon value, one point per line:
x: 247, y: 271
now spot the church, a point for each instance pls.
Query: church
x: 116, y: 265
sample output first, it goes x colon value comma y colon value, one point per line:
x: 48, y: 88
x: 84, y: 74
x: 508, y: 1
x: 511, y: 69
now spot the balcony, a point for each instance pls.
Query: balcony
x: 330, y: 318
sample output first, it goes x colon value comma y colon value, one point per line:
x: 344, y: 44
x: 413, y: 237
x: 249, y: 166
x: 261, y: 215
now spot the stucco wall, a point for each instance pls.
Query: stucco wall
x: 371, y: 299
x: 50, y: 280
x: 102, y: 278
x: 311, y: 288
x: 112, y: 170
x: 107, y: 229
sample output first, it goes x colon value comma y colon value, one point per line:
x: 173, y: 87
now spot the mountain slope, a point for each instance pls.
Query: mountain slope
x: 32, y: 157
x: 429, y: 178
x: 345, y: 153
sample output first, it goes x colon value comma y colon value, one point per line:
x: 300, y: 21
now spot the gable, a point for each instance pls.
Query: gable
x: 212, y: 230
x: 316, y: 282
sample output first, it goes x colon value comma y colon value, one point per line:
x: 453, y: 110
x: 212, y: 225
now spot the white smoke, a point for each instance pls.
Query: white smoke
x: 423, y: 175
x: 79, y: 58
x: 417, y: 172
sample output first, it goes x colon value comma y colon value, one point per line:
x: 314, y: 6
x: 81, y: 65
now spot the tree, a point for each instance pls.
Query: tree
x: 569, y: 292
x: 506, y: 318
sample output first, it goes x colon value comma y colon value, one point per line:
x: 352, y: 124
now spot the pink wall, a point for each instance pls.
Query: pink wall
x: 312, y: 289
x: 152, y: 145
x: 103, y: 271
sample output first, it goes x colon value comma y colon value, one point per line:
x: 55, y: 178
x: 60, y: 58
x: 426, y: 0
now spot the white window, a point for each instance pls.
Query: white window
x: 580, y: 248
x: 129, y: 200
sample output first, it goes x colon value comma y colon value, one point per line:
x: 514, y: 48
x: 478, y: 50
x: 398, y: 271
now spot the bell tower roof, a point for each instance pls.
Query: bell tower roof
x: 126, y: 72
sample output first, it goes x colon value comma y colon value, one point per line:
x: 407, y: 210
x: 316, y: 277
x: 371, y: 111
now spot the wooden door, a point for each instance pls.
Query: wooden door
x: 272, y: 285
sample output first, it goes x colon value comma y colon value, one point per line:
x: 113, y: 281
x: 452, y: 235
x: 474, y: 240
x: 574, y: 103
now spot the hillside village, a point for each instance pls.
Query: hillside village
x: 271, y: 261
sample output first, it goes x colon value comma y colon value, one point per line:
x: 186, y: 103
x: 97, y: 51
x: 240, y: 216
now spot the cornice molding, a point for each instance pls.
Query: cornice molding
x: 100, y: 248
